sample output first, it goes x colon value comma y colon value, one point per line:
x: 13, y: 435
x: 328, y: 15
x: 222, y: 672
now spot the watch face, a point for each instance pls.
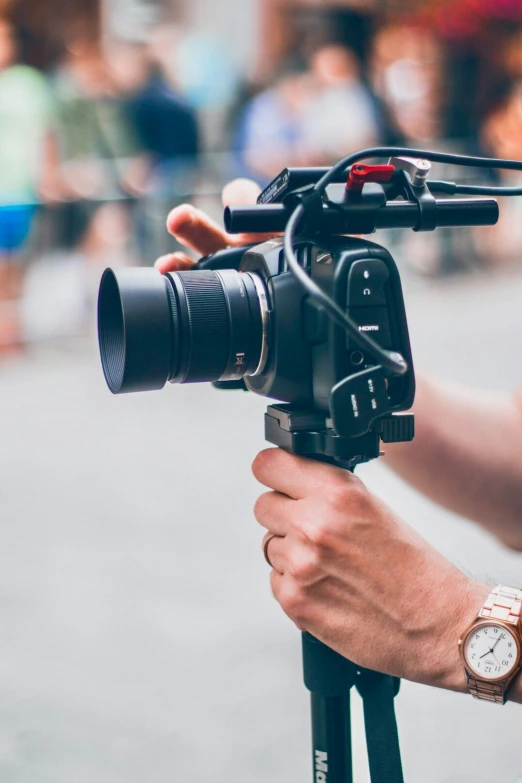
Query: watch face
x: 491, y: 651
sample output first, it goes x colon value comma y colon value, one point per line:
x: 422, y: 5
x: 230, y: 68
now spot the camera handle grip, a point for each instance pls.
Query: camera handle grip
x: 330, y: 677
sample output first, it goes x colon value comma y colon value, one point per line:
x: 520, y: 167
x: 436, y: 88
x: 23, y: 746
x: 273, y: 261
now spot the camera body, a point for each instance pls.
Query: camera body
x: 308, y: 354
x: 337, y: 401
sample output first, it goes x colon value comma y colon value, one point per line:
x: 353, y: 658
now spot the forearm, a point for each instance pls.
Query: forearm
x: 467, y: 455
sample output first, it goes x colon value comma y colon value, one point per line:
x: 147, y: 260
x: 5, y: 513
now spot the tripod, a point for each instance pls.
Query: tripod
x: 328, y: 676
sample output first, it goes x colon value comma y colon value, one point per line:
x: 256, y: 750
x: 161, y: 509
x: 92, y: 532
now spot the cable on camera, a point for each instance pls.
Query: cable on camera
x: 311, y: 201
x: 391, y: 362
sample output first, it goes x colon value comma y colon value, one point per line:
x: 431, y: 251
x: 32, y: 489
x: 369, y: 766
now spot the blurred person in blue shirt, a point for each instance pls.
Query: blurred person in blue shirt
x: 167, y: 128
x: 164, y: 121
x: 28, y: 170
x: 269, y: 134
x: 309, y: 117
x: 341, y: 115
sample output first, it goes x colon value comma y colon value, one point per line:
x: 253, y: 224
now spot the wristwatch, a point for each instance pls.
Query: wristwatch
x: 490, y: 647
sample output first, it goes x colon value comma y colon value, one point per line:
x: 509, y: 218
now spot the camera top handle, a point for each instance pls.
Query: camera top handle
x: 363, y: 216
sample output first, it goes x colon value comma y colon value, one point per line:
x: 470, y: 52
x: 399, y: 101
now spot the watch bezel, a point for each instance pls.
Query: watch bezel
x: 512, y: 629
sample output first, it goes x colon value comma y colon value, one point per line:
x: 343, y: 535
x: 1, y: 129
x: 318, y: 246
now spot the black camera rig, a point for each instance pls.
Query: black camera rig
x: 315, y: 320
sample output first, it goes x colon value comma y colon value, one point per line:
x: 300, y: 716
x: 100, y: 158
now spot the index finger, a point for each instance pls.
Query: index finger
x: 296, y: 477
x: 196, y: 230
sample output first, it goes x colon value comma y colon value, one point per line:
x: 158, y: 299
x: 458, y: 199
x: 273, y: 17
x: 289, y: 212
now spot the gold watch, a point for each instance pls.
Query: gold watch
x: 490, y: 647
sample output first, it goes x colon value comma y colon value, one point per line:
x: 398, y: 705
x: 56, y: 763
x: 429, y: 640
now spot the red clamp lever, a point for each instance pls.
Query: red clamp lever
x: 360, y: 174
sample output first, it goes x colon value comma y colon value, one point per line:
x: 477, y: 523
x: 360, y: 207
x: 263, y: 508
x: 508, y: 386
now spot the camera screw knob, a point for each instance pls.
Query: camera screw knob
x: 417, y: 168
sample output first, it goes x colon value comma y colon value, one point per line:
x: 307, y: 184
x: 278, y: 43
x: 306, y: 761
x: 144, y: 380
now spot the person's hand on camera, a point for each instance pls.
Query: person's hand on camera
x: 354, y: 575
x: 197, y: 231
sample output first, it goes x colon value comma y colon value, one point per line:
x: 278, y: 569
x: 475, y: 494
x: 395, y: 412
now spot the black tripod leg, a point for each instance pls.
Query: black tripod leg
x: 329, y: 677
x: 331, y: 739
x: 384, y: 756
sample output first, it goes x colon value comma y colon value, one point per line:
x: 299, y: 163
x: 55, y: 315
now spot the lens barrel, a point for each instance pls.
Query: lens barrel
x: 185, y: 327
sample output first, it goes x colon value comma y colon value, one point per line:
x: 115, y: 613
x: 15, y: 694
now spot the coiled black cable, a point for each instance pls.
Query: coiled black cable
x: 391, y: 361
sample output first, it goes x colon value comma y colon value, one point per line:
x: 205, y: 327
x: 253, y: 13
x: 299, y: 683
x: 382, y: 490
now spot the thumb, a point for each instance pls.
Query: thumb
x: 240, y: 192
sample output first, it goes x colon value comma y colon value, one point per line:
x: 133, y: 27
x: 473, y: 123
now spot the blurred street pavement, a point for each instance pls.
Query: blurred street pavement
x: 138, y: 638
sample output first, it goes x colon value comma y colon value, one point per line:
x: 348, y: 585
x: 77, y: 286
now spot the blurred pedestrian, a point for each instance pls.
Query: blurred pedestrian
x: 103, y: 165
x: 407, y: 75
x: 202, y: 69
x: 168, y: 132
x: 309, y: 117
x: 27, y: 166
x: 340, y: 115
x: 269, y: 135
x: 501, y: 136
x: 162, y: 119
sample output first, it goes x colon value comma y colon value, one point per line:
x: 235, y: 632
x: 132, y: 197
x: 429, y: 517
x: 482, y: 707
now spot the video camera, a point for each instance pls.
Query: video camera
x: 315, y: 320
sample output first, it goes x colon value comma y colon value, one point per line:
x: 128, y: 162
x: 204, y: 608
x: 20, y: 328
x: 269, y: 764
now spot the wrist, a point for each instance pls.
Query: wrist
x: 461, y: 610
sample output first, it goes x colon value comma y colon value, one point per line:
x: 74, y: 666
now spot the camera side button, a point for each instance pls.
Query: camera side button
x: 366, y: 282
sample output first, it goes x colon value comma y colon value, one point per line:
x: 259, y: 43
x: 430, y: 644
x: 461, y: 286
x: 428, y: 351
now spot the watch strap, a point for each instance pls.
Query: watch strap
x: 487, y: 691
x: 503, y: 603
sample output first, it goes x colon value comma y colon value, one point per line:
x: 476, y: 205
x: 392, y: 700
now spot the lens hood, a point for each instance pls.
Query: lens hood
x: 134, y: 329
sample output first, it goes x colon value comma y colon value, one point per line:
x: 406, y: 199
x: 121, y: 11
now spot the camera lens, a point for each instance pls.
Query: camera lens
x: 185, y: 327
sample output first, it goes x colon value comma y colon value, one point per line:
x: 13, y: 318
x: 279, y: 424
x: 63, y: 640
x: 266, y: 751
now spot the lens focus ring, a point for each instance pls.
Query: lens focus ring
x: 208, y: 325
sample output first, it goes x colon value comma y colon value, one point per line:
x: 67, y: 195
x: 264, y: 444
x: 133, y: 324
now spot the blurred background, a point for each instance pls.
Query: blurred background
x: 138, y: 638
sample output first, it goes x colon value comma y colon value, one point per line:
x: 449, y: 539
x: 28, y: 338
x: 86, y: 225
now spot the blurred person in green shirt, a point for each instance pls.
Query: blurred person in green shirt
x: 102, y: 159
x: 27, y: 166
